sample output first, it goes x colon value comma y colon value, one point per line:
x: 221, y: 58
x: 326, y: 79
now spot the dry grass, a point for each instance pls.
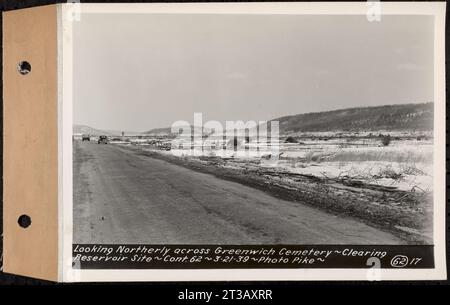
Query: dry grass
x: 374, y: 154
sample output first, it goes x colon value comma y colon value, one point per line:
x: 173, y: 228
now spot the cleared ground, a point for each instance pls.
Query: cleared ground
x: 123, y: 197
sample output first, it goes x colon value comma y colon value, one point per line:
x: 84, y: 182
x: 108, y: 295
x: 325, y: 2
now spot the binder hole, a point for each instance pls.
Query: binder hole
x: 24, y: 221
x: 24, y: 67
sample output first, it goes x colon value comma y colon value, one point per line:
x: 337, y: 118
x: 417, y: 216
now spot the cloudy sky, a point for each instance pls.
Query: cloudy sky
x: 136, y: 72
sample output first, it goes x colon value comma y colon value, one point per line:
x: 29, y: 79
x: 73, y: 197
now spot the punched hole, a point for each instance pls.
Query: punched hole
x: 24, y: 67
x: 24, y: 221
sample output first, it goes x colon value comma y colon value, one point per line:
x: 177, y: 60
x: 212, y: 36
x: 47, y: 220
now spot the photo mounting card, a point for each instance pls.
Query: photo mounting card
x: 250, y: 141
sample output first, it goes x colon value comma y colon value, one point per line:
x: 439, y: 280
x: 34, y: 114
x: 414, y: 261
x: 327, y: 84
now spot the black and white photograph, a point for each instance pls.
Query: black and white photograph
x: 353, y: 101
x: 253, y: 130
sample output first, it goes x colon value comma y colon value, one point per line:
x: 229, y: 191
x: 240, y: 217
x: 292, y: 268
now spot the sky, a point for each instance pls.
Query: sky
x: 136, y: 72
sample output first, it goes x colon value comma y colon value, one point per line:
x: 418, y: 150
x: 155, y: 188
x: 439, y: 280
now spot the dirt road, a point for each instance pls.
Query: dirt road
x: 123, y: 197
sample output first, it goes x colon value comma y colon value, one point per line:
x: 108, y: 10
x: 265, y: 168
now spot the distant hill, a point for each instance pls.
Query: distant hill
x: 89, y: 130
x: 389, y: 117
x: 77, y: 128
x: 165, y: 130
x: 119, y: 133
x: 168, y: 130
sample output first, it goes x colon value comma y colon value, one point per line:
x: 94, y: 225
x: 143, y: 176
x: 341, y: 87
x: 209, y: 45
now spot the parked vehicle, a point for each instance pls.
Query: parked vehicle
x: 85, y: 137
x: 102, y: 140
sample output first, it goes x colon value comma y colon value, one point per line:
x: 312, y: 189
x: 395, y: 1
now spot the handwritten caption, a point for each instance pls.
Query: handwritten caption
x: 144, y: 256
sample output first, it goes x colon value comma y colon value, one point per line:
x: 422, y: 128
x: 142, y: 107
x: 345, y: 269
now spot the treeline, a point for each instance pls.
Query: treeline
x: 390, y: 117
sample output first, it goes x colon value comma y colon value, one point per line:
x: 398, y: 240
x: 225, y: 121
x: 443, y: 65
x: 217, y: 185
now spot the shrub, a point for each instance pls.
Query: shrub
x: 291, y: 140
x: 385, y: 140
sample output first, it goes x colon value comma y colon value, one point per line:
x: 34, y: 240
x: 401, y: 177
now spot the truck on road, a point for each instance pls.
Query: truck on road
x: 102, y: 140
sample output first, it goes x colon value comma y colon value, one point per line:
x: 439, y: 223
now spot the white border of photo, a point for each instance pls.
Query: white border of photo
x: 70, y: 13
